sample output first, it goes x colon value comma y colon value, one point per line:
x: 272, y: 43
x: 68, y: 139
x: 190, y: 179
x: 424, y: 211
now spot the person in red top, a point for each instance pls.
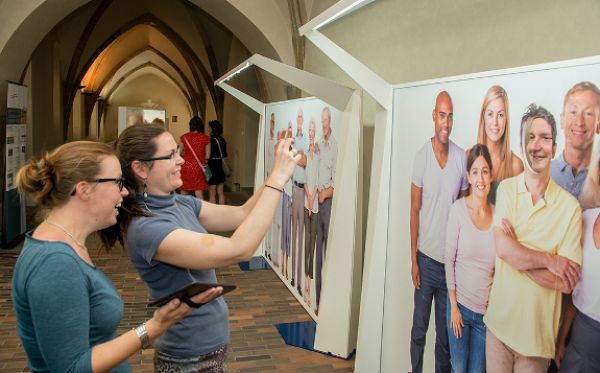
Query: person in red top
x: 196, y: 147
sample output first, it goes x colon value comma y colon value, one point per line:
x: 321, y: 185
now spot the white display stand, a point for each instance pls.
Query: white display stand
x: 371, y: 319
x: 340, y: 294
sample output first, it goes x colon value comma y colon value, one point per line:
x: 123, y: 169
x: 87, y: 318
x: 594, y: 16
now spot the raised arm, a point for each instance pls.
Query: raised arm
x: 193, y: 250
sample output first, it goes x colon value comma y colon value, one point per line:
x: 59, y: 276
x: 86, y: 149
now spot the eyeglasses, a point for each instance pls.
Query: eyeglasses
x: 119, y: 181
x: 170, y: 157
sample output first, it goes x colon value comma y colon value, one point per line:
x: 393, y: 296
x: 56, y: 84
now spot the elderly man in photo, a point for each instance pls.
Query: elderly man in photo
x: 327, y: 148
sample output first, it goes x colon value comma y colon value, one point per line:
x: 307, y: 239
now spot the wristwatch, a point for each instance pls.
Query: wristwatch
x: 142, y: 334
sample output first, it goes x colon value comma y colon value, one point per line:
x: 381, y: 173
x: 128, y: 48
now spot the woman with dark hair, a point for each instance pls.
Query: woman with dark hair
x: 167, y: 239
x: 218, y: 152
x: 67, y: 310
x: 196, y: 150
x: 469, y: 262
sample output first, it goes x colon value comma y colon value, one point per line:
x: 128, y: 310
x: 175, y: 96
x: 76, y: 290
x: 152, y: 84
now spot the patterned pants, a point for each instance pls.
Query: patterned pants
x: 213, y: 362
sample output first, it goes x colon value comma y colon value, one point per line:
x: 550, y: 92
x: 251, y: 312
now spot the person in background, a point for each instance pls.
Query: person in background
x: 158, y: 121
x: 439, y: 179
x: 67, y: 310
x: 494, y: 132
x: 469, y: 263
x: 196, y: 149
x: 581, y: 312
x: 580, y: 121
x: 167, y: 237
x: 218, y: 151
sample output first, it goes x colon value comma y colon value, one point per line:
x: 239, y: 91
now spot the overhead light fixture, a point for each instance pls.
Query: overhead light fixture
x: 337, y: 10
x: 234, y: 72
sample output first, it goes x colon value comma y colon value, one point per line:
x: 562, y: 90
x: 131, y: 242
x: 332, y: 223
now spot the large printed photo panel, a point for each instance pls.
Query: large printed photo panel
x: 463, y: 111
x: 296, y: 244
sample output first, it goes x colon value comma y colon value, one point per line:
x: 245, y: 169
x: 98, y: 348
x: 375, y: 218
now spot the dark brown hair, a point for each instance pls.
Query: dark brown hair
x: 196, y: 124
x: 475, y: 152
x: 134, y: 143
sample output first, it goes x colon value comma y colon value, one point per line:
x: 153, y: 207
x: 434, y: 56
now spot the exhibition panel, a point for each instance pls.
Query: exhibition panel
x: 479, y: 108
x: 314, y: 244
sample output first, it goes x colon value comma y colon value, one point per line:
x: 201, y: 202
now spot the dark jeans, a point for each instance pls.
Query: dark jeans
x: 310, y: 238
x: 324, y: 216
x: 433, y: 287
x: 467, y: 353
x: 582, y: 354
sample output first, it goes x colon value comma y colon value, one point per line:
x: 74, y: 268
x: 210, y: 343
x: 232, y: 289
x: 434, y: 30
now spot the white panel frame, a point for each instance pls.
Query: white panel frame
x: 337, y: 323
x: 371, y: 317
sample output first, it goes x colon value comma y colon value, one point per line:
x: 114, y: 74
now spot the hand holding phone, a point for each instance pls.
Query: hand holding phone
x: 184, y: 294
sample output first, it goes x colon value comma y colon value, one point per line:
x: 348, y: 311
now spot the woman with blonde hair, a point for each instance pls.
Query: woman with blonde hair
x: 494, y: 132
x: 67, y: 310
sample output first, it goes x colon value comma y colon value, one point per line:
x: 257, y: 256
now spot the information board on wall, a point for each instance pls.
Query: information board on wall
x: 15, y: 143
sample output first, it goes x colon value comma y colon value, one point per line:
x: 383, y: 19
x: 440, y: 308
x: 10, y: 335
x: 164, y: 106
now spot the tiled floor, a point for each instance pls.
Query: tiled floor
x: 259, y: 302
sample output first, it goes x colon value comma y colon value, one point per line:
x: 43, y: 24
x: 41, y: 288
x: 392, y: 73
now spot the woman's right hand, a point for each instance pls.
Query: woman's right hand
x: 286, y: 158
x: 175, y: 310
x: 456, y: 321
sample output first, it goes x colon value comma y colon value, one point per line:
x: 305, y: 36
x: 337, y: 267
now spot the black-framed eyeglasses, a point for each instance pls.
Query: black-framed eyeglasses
x: 170, y: 157
x: 120, y: 181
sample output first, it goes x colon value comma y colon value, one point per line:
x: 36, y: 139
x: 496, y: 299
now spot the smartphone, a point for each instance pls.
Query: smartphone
x: 185, y: 293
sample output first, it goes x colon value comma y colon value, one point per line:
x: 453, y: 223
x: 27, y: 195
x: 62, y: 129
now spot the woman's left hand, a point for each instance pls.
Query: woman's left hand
x: 175, y: 310
x: 456, y: 321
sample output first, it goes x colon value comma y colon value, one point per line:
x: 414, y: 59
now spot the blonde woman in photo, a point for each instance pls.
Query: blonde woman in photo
x: 494, y: 132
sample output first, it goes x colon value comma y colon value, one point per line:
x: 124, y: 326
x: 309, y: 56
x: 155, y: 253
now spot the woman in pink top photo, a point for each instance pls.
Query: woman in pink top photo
x: 469, y: 262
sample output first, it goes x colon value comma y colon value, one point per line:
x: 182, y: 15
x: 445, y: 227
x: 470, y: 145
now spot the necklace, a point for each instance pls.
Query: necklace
x: 66, y: 232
